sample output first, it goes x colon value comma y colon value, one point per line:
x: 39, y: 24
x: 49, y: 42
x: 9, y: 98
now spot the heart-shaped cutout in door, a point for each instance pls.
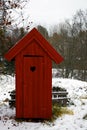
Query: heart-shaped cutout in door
x: 32, y: 68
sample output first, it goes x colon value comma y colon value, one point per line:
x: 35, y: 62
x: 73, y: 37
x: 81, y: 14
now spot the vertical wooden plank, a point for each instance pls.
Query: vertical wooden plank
x: 19, y: 86
x: 48, y: 87
x: 27, y: 90
x: 40, y: 86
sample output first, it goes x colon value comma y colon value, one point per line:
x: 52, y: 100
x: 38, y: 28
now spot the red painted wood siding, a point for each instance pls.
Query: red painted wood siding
x: 33, y: 89
x: 19, y: 86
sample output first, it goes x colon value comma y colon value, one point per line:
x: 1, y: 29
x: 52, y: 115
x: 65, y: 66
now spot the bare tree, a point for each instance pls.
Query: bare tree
x: 12, y: 19
x: 12, y: 14
x: 71, y: 39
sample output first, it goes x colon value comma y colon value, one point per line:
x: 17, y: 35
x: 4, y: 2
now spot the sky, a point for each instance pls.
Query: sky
x: 50, y: 12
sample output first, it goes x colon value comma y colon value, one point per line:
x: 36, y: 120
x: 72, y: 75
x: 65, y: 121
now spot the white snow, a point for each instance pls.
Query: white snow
x: 77, y: 93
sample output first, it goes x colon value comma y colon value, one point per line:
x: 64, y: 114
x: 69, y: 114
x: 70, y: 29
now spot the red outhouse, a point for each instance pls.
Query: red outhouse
x: 33, y: 60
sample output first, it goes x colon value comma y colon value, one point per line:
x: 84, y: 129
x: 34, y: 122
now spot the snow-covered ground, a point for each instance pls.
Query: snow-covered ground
x: 77, y: 93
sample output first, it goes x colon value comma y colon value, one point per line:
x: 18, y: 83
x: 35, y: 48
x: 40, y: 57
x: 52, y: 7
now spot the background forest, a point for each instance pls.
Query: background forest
x: 68, y: 38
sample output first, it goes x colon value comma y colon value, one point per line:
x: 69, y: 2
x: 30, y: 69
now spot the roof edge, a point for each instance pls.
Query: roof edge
x: 22, y: 43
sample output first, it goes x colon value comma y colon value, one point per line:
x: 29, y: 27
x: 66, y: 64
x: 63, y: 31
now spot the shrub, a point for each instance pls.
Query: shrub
x: 58, y: 111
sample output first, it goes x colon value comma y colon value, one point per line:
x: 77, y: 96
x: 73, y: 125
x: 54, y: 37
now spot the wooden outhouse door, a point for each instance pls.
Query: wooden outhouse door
x: 33, y: 92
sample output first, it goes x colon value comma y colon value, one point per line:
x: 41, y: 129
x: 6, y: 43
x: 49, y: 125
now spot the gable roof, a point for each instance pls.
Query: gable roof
x: 34, y: 34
